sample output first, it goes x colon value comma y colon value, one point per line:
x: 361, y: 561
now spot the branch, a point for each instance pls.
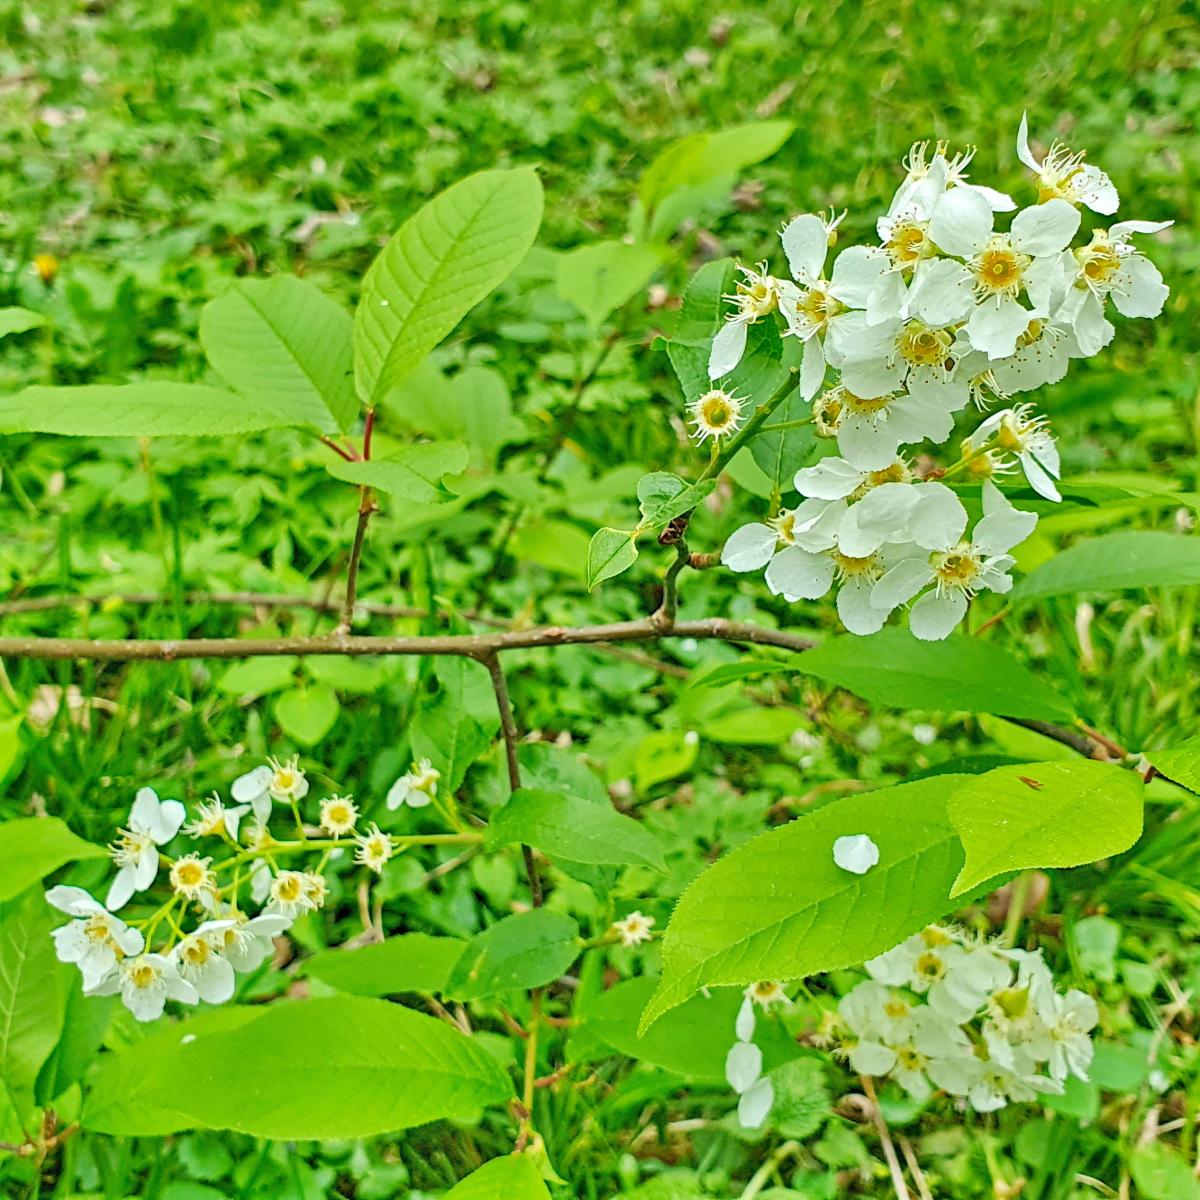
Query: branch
x: 366, y: 507
x: 508, y: 729
x: 1081, y: 743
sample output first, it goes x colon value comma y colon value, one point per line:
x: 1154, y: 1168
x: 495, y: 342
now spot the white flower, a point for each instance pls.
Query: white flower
x: 152, y: 823
x: 213, y: 818
x: 247, y: 941
x: 957, y: 569
x: 812, y: 525
x: 1009, y: 1075
x: 755, y: 297
x: 856, y: 853
x: 338, y: 815
x: 200, y: 961
x: 1043, y: 354
x: 1110, y: 266
x: 96, y: 941
x: 766, y: 992
x: 877, y: 1012
x: 274, y: 781
x: 1000, y: 266
x: 1071, y: 1049
x: 929, y: 1040
x: 192, y: 878
x: 374, y: 849
x: 1020, y: 432
x: 743, y: 1065
x: 633, y: 929
x: 416, y: 787
x: 715, y: 414
x: 1064, y: 175
x: 813, y: 307
x: 870, y: 430
x: 291, y: 895
x: 899, y: 354
x: 145, y: 983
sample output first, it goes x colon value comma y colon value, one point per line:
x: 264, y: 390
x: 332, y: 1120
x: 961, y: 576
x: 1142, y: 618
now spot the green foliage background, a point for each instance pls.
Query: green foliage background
x: 159, y: 151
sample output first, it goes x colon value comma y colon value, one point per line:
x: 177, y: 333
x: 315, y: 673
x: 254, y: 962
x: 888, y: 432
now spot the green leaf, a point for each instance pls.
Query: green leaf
x: 339, y: 1067
x: 599, y: 278
x: 1180, y: 764
x: 158, y: 409
x: 754, y: 726
x: 416, y: 473
x: 19, y: 320
x: 702, y: 156
x: 1052, y: 814
x: 85, y: 1022
x: 779, y: 908
x: 511, y: 1178
x: 565, y: 826
x: 307, y: 714
x: 286, y: 345
x: 1163, y: 1174
x: 32, y: 847
x: 525, y: 950
x: 691, y: 1040
x: 32, y: 1001
x: 1116, y: 561
x: 259, y: 676
x: 662, y: 497
x: 958, y: 674
x: 443, y: 732
x: 610, y: 552
x: 663, y: 755
x: 407, y: 962
x: 445, y: 258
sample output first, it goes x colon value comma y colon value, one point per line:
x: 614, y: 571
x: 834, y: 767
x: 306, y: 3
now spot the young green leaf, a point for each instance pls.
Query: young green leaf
x: 662, y: 755
x: 959, y: 674
x: 443, y: 260
x: 415, y: 473
x: 151, y: 409
x: 1180, y: 764
x: 662, y: 497
x: 525, y: 950
x: 568, y: 827
x: 32, y: 847
x: 286, y: 345
x: 599, y: 278
x: 1052, y: 814
x: 778, y: 907
x: 259, y: 676
x: 1117, y: 561
x: 407, y: 962
x: 307, y: 714
x: 512, y: 1177
x: 339, y: 1067
x: 610, y: 552
x: 19, y: 320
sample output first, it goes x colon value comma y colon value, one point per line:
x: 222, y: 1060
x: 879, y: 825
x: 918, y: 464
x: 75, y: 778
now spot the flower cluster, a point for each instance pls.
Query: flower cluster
x: 164, y: 954
x: 945, y: 312
x: 943, y: 1010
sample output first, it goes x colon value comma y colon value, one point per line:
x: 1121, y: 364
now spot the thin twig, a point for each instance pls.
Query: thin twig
x: 1081, y: 743
x: 366, y: 506
x: 346, y: 454
x: 508, y: 729
x: 885, y: 1139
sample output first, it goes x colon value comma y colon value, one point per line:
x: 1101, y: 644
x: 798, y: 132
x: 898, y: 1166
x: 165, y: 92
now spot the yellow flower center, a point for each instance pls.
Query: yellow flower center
x: 849, y: 567
x: 998, y: 268
x: 196, y: 952
x: 785, y: 527
x: 1033, y: 333
x: 288, y: 888
x: 957, y: 568
x: 189, y: 874
x: 817, y: 306
x: 97, y: 928
x: 896, y: 473
x: 866, y: 406
x: 1099, y: 260
x: 930, y: 966
x: 908, y: 243
x: 144, y: 975
x: 897, y: 1010
x: 921, y: 346
x: 909, y: 1059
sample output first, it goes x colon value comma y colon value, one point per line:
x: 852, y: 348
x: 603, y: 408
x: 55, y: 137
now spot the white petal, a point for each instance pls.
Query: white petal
x: 943, y: 292
x: 73, y: 900
x: 755, y: 1104
x: 120, y: 889
x: 934, y: 616
x: 268, y: 925
x: 233, y: 819
x: 962, y: 222
x: 216, y: 984
x: 857, y: 271
x: 868, y: 444
x: 923, y: 414
x: 727, y: 349
x: 1046, y: 281
x: 748, y: 549
x: 744, y: 1025
x: 881, y: 515
x: 1045, y: 228
x: 997, y: 201
x: 247, y: 788
x: 830, y: 479
x: 1023, y: 151
x: 1085, y: 313
x: 144, y: 813
x: 812, y: 369
x: 855, y: 609
x: 1140, y: 291
x: 1039, y: 478
x: 1094, y: 188
x: 1121, y: 228
x: 171, y: 815
x: 805, y: 242
x: 874, y: 377
x: 938, y: 518
x: 817, y: 524
x: 886, y: 300
x: 901, y: 583
x: 856, y: 853
x: 743, y: 1065
x: 798, y: 575
x: 872, y: 1058
x: 996, y: 324
x: 1004, y: 527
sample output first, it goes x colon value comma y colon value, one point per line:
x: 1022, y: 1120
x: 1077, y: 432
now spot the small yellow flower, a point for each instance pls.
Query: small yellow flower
x: 633, y: 929
x: 766, y: 992
x: 338, y: 814
x: 191, y: 877
x: 374, y: 849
